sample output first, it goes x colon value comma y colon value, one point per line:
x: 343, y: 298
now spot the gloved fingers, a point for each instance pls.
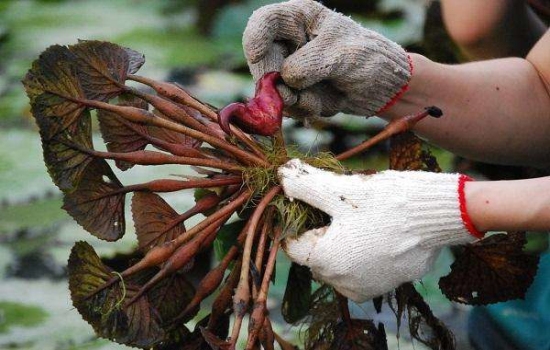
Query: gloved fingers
x: 271, y: 62
x: 287, y: 94
x: 306, y: 105
x: 319, y: 100
x: 311, y: 185
x: 354, y: 295
x: 301, y: 250
x: 312, y: 63
x: 310, y: 250
x: 288, y: 22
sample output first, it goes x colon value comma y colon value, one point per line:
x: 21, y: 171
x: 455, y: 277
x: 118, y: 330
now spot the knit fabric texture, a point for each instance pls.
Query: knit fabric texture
x: 386, y: 228
x: 328, y: 62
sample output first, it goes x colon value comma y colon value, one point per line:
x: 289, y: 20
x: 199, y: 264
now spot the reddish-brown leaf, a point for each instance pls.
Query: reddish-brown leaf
x: 361, y: 334
x: 492, y: 270
x: 103, y: 67
x: 65, y: 164
x: 407, y: 153
x: 121, y: 135
x: 198, y: 340
x: 171, y: 136
x: 171, y: 296
x: 154, y: 220
x: 97, y: 204
x: 50, y: 84
x: 423, y: 325
x: 107, y: 311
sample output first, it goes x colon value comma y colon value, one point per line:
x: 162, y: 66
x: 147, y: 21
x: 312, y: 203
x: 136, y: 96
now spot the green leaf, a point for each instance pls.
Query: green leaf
x: 103, y: 67
x: 121, y: 135
x: 20, y: 315
x: 65, y: 164
x: 97, y: 204
x: 107, y: 311
x: 154, y: 220
x: 297, y: 298
x: 227, y: 237
x: 51, y: 84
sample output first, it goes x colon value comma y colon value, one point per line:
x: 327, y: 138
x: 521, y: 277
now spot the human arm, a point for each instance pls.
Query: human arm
x: 388, y: 228
x: 513, y: 205
x: 328, y: 62
x: 492, y: 28
x: 384, y: 230
x: 496, y: 111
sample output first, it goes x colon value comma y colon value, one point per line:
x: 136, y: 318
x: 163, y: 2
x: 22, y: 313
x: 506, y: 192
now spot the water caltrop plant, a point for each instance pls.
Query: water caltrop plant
x: 149, y: 300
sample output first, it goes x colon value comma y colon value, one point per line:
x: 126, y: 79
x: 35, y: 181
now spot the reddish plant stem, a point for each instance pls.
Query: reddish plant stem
x: 161, y: 253
x: 169, y: 185
x: 204, y: 109
x: 260, y: 250
x: 207, y: 202
x: 166, y: 250
x: 180, y: 257
x: 141, y: 116
x: 251, y: 144
x: 279, y: 142
x: 394, y: 127
x: 223, y: 300
x: 171, y: 110
x: 176, y: 149
x: 157, y: 158
x: 260, y: 309
x: 263, y: 240
x: 242, y: 294
x: 179, y: 95
x: 267, y: 337
x: 235, y: 202
x: 213, y: 279
x: 209, y: 283
x: 344, y: 309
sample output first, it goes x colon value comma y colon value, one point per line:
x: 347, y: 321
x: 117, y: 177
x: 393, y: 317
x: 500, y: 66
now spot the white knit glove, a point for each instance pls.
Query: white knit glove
x: 386, y: 228
x: 330, y: 62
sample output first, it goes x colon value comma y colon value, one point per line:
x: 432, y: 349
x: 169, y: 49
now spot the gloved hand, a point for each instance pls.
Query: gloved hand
x: 386, y: 228
x: 330, y: 62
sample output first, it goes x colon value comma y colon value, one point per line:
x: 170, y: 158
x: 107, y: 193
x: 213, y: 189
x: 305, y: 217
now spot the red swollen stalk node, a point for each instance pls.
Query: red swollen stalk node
x: 261, y: 115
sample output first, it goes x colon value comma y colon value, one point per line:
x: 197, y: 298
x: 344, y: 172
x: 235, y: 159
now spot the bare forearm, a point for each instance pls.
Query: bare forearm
x: 492, y: 28
x: 509, y: 205
x: 496, y: 111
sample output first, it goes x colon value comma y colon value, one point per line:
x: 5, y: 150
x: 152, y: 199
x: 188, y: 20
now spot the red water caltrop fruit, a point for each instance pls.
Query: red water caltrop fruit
x: 261, y: 115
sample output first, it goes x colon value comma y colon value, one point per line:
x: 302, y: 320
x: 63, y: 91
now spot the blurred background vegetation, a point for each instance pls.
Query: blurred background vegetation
x: 198, y: 44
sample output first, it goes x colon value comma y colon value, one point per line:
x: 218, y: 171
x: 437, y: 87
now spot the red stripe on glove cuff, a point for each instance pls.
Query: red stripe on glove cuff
x: 463, y: 212
x: 401, y: 91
